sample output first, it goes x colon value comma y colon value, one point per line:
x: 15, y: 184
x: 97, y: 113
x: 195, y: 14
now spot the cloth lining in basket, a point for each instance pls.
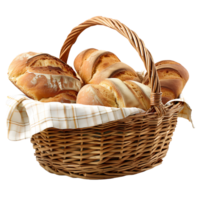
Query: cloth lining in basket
x: 26, y: 117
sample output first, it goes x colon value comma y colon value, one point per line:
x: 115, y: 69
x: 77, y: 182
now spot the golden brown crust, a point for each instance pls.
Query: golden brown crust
x: 174, y: 85
x: 43, y: 76
x: 163, y: 62
x: 143, y: 98
x: 167, y: 95
x: 169, y: 72
x: 173, y: 71
x: 49, y: 60
x: 117, y: 70
x: 78, y: 62
x: 102, y: 60
x: 48, y: 70
x: 92, y: 94
x: 168, y: 69
x: 66, y: 97
x: 170, y: 91
x: 173, y: 77
x: 110, y: 86
x: 38, y: 86
x: 97, y: 61
x: 18, y: 65
x: 113, y: 92
x: 125, y: 75
x: 126, y: 96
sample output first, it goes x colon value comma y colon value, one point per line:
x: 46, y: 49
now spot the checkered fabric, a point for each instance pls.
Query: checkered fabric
x: 26, y: 117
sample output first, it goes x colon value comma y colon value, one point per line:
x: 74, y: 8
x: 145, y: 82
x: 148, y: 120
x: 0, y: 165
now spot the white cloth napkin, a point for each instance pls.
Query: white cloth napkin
x: 26, y: 117
x: 186, y: 112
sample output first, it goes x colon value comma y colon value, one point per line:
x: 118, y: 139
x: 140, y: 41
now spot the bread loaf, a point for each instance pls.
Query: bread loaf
x: 173, y: 77
x: 115, y: 93
x: 44, y: 78
x: 94, y: 65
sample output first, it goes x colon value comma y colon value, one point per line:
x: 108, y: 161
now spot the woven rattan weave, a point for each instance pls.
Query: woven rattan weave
x: 128, y: 146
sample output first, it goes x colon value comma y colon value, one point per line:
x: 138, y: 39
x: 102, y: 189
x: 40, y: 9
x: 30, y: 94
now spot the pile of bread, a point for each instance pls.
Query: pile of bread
x: 101, y: 79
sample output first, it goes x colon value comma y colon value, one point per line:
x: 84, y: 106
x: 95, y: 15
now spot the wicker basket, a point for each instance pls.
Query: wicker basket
x: 128, y: 146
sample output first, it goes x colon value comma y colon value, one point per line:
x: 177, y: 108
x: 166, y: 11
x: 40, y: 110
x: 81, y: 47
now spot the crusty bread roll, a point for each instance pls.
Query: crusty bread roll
x: 44, y: 78
x: 96, y: 62
x: 94, y: 65
x: 173, y: 77
x: 115, y: 93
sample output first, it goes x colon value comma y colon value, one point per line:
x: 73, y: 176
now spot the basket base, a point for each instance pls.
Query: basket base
x: 94, y: 176
x: 134, y: 167
x: 83, y: 176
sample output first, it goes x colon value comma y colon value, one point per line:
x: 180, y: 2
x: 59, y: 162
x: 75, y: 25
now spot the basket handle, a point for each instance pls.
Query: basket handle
x: 136, y: 42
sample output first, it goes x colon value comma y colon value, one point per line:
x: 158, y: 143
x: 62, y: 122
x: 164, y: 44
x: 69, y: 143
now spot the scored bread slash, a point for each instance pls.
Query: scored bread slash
x: 92, y: 94
x: 115, y: 93
x: 97, y: 61
x: 173, y: 78
x: 44, y: 59
x: 117, y: 70
x: 141, y: 91
x: 94, y: 66
x: 44, y: 77
x: 128, y: 93
x: 77, y: 75
x: 78, y: 62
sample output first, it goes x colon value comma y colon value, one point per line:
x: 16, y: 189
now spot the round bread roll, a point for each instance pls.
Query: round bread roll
x: 44, y: 78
